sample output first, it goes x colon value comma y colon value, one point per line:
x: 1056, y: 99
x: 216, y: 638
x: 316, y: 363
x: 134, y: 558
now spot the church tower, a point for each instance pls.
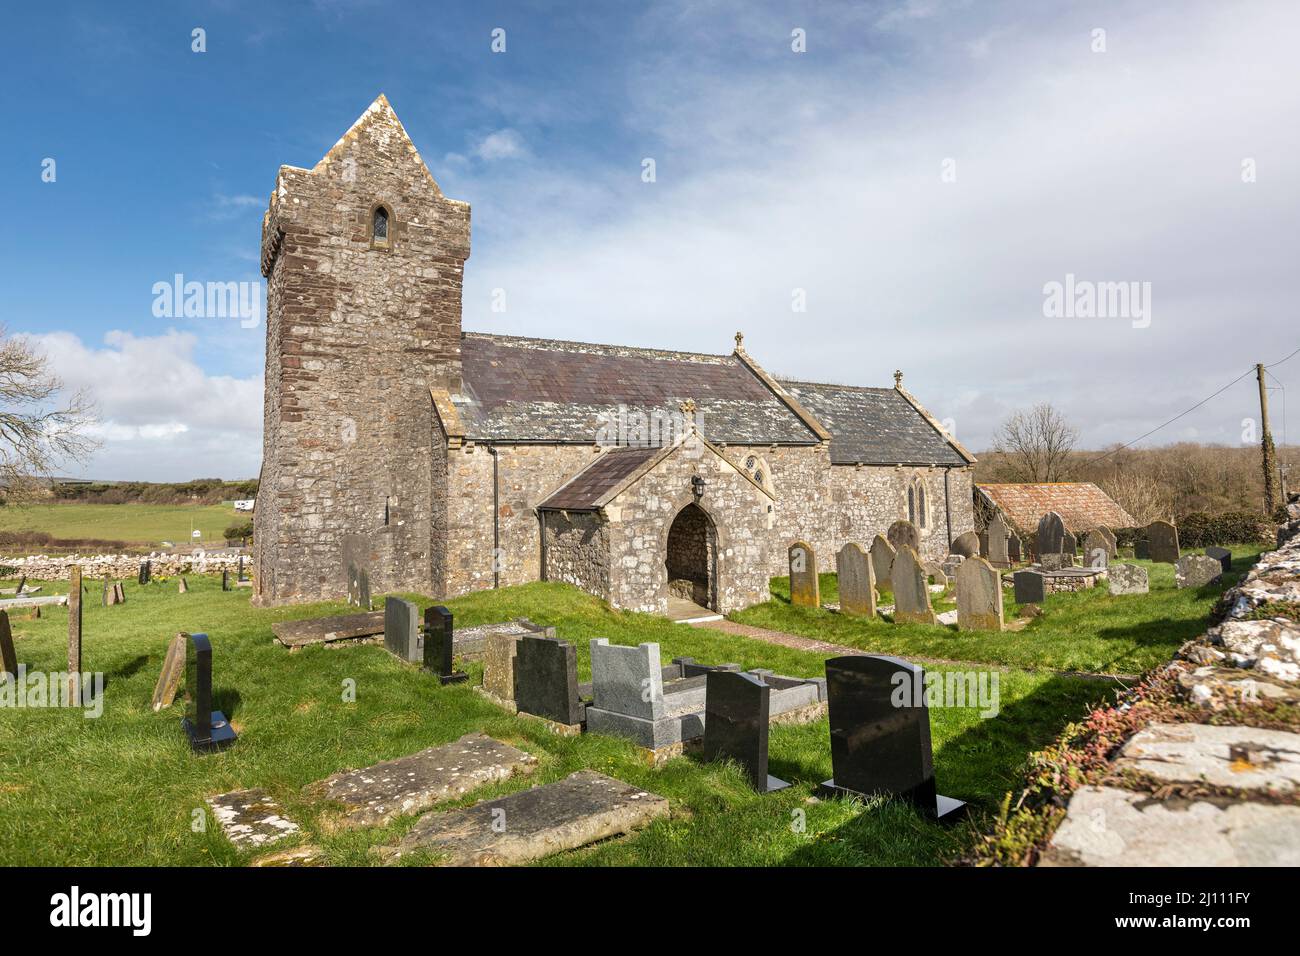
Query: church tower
x: 364, y: 258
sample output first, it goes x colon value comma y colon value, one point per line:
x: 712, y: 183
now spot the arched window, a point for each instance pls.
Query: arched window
x: 918, y: 508
x: 757, y: 469
x: 379, y: 231
x: 911, y: 503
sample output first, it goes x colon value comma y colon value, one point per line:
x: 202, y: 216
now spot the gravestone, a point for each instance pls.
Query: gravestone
x: 119, y: 593
x: 173, y: 672
x: 628, y: 698
x: 439, y: 644
x: 144, y: 574
x: 1030, y: 587
x: 979, y: 596
x: 1069, y: 544
x: 935, y: 574
x: 74, y: 633
x: 1015, y: 549
x: 500, y: 656
x: 1162, y: 539
x: 879, y: 743
x: 356, y: 562
x: 736, y: 712
x: 1142, y: 549
x: 983, y: 552
x: 1222, y: 555
x: 546, y: 680
x: 183, y: 587
x: 206, y: 728
x: 8, y: 655
x: 240, y: 576
x: 109, y: 595
x: 22, y: 586
x: 857, y: 582
x: 402, y: 636
x: 951, y: 564
x: 911, y: 591
x: 882, y: 560
x: 225, y: 580
x: 358, y: 587
x: 1197, y: 570
x: 999, y: 556
x: 1056, y: 561
x: 903, y: 532
x: 1051, y: 535
x: 967, y: 544
x: 1127, y: 579
x: 1112, y: 544
x: 805, y: 590
x: 1095, y: 542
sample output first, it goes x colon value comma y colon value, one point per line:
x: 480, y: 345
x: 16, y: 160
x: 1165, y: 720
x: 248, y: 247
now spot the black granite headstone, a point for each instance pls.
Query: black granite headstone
x: 880, y: 733
x: 1031, y: 587
x: 546, y: 680
x: 736, y: 711
x: 225, y: 580
x: 1141, y: 548
x: 206, y: 728
x: 144, y: 575
x: 402, y: 633
x: 241, y: 577
x: 438, y: 644
x: 692, y: 668
x: 1222, y: 555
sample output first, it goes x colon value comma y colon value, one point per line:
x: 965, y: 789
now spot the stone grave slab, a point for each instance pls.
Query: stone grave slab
x: 857, y: 581
x: 1162, y: 542
x: 1030, y: 587
x: 173, y: 672
x: 322, y: 630
x: 546, y: 680
x: 394, y: 788
x: 1105, y: 826
x: 250, y: 819
x: 979, y: 596
x: 1222, y: 555
x: 903, y: 532
x: 882, y: 560
x: 1196, y: 570
x: 736, y: 715
x: 306, y: 855
x: 911, y: 589
x: 1127, y: 579
x: 584, y: 807
x: 1051, y: 535
x: 879, y: 743
x: 1243, y: 758
x: 805, y: 589
x: 402, y: 634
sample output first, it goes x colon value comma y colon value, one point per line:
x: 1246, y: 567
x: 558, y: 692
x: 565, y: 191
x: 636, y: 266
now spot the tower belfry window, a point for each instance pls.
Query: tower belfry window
x: 381, y: 224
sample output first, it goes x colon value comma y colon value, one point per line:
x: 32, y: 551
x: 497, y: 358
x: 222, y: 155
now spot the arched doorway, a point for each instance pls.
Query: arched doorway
x: 692, y: 558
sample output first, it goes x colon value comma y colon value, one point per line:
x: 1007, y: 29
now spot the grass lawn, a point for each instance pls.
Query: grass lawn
x: 133, y: 523
x: 124, y: 788
x: 1084, y: 631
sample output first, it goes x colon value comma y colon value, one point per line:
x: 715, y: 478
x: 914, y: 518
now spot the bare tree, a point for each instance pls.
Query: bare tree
x: 39, y: 428
x: 1036, y: 443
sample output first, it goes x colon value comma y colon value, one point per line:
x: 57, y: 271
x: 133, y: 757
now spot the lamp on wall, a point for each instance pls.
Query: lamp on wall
x: 697, y: 486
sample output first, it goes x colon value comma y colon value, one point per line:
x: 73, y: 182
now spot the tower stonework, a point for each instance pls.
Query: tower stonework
x: 362, y: 321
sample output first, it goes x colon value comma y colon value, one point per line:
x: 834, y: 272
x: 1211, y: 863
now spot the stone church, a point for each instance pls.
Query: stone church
x: 446, y: 461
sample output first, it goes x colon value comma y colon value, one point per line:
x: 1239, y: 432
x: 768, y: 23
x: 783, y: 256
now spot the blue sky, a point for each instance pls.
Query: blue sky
x: 920, y: 173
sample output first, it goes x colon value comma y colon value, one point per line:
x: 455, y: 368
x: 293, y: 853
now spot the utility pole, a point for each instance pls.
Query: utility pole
x: 1267, y: 452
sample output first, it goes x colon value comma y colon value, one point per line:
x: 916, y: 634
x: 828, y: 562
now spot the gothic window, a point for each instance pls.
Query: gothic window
x: 757, y: 469
x: 380, y: 231
x: 911, y: 503
x: 918, y: 509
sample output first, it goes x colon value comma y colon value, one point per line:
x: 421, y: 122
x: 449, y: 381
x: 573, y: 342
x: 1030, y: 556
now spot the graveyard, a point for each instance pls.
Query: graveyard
x: 128, y: 786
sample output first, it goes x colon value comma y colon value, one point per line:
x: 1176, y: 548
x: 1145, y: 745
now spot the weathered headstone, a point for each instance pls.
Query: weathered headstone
x: 857, y: 581
x: 983, y: 537
x: 967, y: 544
x: 1030, y: 587
x: 1112, y: 544
x: 1142, y: 549
x: 109, y: 595
x: 882, y: 560
x: 1054, y: 561
x: 439, y: 635
x: 1222, y: 555
x: 225, y: 580
x: 903, y: 532
x: 1162, y: 538
x: 240, y: 576
x: 173, y: 672
x: 8, y: 655
x: 120, y: 590
x: 500, y: 654
x: 736, y: 712
x: 183, y: 587
x: 951, y: 564
x: 911, y: 590
x: 805, y: 589
x: 546, y: 680
x: 1051, y: 535
x: 1127, y: 579
x: 1070, y: 544
x: 1197, y: 570
x: 74, y: 633
x: 979, y: 596
x: 1015, y: 548
x: 935, y: 573
x: 402, y: 635
x: 1096, y: 549
x: 206, y: 728
x: 880, y: 742
x: 998, y: 535
x: 145, y: 572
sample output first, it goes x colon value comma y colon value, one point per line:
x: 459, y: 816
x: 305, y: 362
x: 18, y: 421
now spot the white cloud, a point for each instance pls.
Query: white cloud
x: 162, y: 417
x: 503, y: 144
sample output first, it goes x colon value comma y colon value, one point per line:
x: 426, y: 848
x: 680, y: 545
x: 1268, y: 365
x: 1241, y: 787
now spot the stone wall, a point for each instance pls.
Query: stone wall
x: 577, y: 550
x: 41, y: 567
x: 357, y: 332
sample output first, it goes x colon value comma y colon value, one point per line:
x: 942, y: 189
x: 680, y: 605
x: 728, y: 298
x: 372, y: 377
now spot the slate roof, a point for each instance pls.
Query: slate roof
x: 875, y: 426
x: 585, y: 490
x: 1081, y: 504
x: 526, y: 389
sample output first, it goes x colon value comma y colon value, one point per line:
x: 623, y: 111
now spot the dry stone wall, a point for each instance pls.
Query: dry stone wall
x: 41, y: 567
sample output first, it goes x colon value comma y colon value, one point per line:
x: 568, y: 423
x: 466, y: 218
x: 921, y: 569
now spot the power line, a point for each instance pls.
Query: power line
x: 1287, y: 359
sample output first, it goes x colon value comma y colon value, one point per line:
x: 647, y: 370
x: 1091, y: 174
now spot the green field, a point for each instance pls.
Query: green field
x: 132, y: 523
x: 124, y: 788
